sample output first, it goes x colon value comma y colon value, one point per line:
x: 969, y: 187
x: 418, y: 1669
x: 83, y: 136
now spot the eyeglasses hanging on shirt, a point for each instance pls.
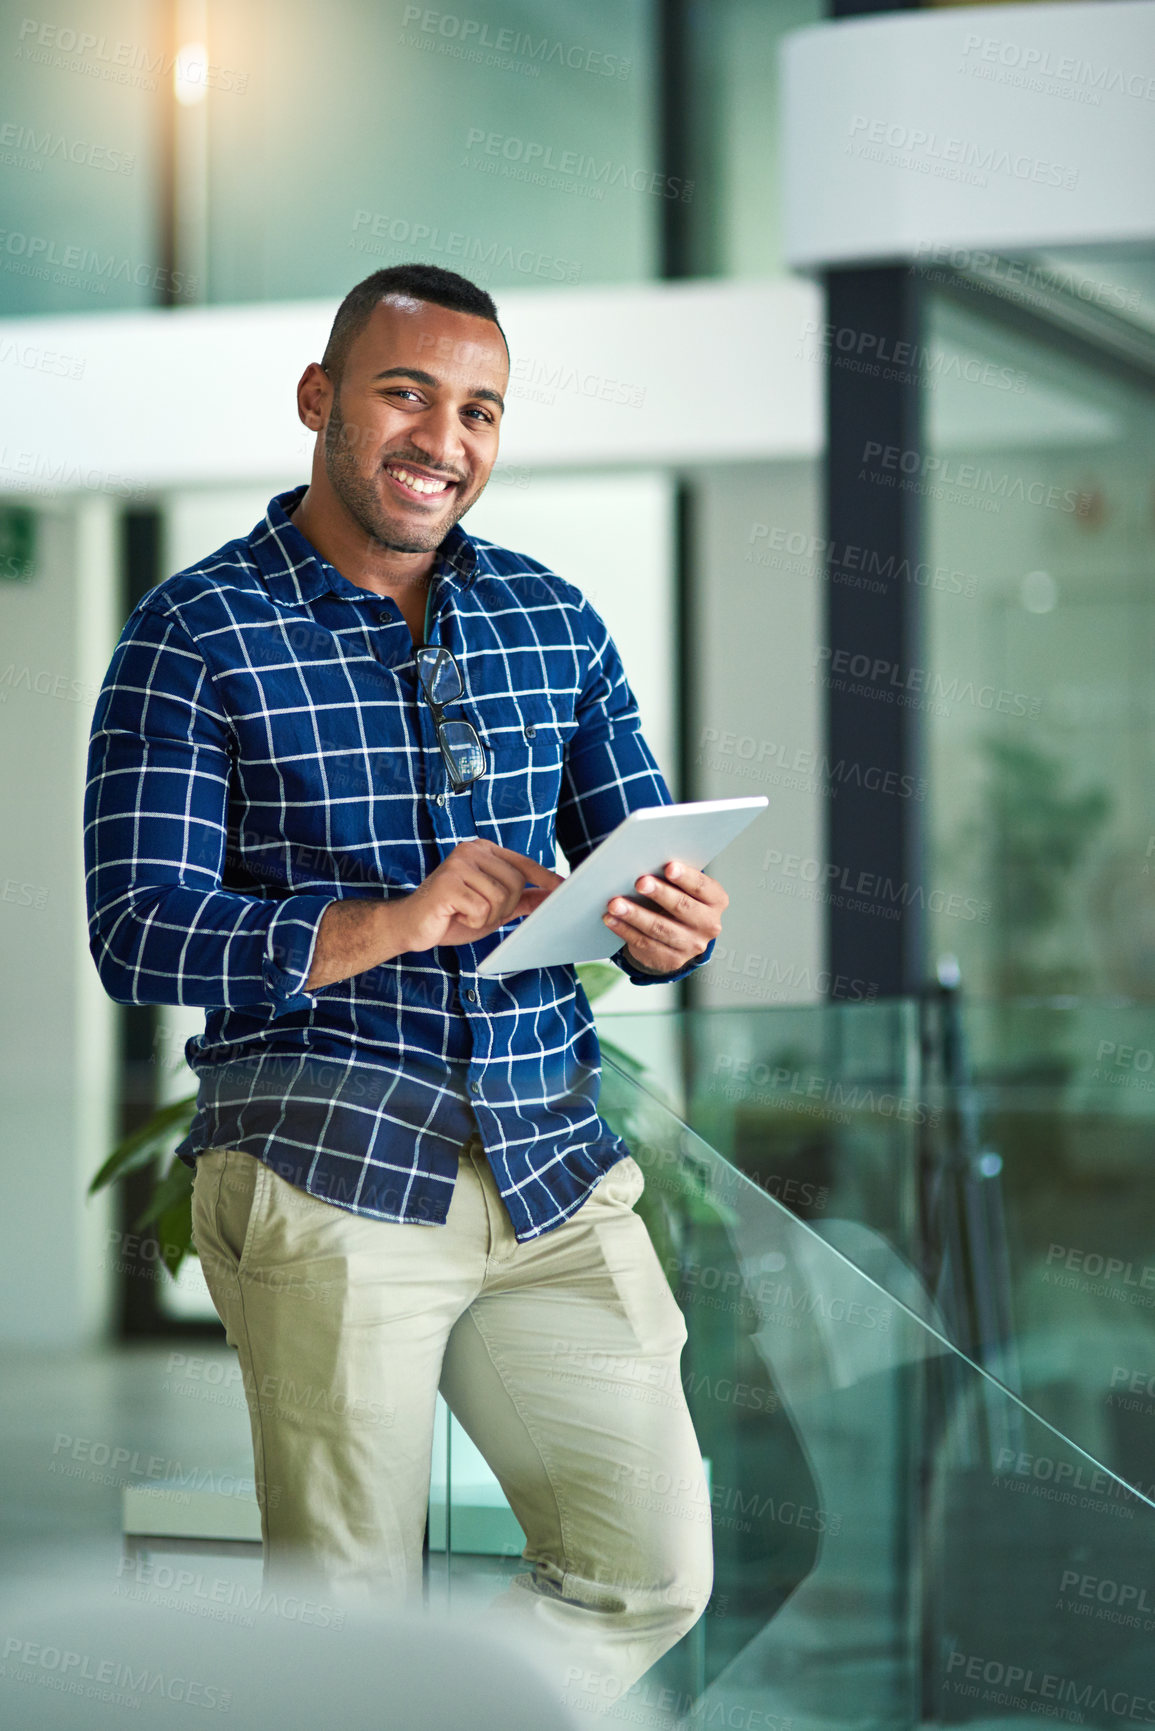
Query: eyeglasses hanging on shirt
x: 442, y: 684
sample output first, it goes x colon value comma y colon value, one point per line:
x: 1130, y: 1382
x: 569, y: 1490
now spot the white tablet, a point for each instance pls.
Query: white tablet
x: 569, y: 927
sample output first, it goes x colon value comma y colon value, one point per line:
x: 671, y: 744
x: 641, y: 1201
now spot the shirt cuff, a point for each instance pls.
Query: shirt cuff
x: 621, y: 960
x: 289, y: 945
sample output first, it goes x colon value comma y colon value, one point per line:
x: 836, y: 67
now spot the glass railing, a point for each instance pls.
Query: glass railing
x: 899, y: 1540
x: 993, y: 1166
x: 913, y: 1243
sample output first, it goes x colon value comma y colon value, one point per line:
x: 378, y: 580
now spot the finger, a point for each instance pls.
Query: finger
x: 684, y: 907
x: 531, y: 898
x: 640, y: 925
x: 698, y: 920
x: 505, y: 886
x: 533, y: 869
x: 696, y: 883
x: 500, y: 902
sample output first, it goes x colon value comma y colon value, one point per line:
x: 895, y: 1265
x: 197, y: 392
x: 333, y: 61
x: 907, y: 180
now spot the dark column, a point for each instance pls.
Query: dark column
x: 872, y: 671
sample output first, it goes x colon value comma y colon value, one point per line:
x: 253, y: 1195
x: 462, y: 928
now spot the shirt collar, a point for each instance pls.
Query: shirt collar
x: 294, y: 571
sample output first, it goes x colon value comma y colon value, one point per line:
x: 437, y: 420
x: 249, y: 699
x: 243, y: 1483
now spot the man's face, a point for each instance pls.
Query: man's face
x: 413, y: 427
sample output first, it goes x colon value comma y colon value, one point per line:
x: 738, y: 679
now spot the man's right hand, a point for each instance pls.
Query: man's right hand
x: 478, y: 887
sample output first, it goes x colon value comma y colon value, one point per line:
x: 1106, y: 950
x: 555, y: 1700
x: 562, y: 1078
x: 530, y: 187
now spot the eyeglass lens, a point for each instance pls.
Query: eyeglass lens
x: 463, y: 747
x: 439, y: 676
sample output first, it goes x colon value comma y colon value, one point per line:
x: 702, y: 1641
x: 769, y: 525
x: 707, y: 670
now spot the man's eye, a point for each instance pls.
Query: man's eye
x: 484, y: 413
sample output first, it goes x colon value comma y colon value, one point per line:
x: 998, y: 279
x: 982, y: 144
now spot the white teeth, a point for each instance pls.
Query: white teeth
x: 417, y: 483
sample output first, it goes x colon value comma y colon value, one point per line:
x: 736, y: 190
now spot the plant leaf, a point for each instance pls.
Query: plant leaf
x: 144, y: 1144
x: 174, y: 1187
x: 174, y: 1233
x: 597, y: 978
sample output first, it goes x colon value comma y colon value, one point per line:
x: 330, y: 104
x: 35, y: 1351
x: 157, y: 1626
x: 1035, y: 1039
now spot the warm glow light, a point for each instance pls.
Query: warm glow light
x: 190, y: 73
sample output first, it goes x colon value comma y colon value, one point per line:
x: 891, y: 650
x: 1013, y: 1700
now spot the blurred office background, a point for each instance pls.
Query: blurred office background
x: 833, y: 343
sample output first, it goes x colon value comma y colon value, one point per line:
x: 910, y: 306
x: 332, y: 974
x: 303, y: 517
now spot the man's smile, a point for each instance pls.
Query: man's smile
x: 418, y: 484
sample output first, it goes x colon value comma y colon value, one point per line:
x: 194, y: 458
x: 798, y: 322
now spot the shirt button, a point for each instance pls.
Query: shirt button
x: 471, y: 995
x: 383, y: 617
x: 475, y: 1087
x: 441, y: 799
x: 531, y: 732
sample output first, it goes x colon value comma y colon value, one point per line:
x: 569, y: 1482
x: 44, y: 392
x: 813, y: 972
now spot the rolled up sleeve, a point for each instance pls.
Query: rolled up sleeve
x: 162, y: 928
x: 610, y: 771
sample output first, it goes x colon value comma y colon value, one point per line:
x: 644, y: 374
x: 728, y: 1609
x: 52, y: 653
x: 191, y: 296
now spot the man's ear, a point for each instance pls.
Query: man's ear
x: 314, y: 396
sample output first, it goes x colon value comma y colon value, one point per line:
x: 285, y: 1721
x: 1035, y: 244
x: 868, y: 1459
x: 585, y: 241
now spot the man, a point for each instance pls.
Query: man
x: 328, y: 764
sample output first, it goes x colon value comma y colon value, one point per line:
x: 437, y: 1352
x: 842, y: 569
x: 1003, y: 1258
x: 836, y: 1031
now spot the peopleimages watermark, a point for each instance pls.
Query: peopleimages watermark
x: 1128, y: 1604
x: 1008, y: 273
x: 922, y: 471
x: 540, y: 381
x: 482, y: 257
x: 118, y: 1682
x: 35, y: 359
x: 43, y: 258
x: 1040, y: 70
x: 225, y: 1385
x: 1123, y: 1066
x: 1092, y: 1271
x: 473, y: 39
x: 1139, y: 1387
x: 536, y: 161
x: 23, y: 895
x: 929, y: 152
x: 781, y: 1082
x: 41, y: 474
x: 914, y: 687
x: 44, y: 683
x: 1022, y: 1686
x: 846, y: 563
x: 217, y: 1597
x: 807, y: 769
x: 24, y: 146
x: 881, y: 357
x: 108, y: 1463
x: 718, y: 1505
x: 862, y: 891
x: 128, y: 63
x: 797, y: 978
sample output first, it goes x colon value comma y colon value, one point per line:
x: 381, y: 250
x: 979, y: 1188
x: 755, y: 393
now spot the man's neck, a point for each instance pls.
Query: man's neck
x: 384, y: 570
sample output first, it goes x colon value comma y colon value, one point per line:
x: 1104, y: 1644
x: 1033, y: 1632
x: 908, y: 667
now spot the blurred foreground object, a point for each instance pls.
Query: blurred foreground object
x: 84, y: 1643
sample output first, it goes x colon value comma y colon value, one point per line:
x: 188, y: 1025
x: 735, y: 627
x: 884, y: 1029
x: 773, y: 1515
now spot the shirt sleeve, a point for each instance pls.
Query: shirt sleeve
x: 161, y: 928
x: 609, y: 772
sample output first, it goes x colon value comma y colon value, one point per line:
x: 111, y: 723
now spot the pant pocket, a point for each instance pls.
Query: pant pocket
x: 621, y: 1185
x: 227, y: 1187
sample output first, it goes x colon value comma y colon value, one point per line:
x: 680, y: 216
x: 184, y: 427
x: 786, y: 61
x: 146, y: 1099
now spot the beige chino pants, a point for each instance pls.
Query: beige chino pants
x: 560, y: 1357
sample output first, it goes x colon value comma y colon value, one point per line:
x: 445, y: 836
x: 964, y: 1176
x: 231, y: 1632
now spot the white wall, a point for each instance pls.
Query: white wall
x: 633, y: 377
x: 1009, y: 127
x: 57, y: 1028
x: 757, y: 722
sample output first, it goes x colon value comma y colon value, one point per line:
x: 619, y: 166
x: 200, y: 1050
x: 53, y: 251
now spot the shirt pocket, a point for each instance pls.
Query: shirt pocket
x: 515, y: 801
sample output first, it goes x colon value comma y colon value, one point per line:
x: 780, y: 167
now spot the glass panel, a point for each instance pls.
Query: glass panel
x: 1040, y: 727
x: 898, y: 1540
x: 988, y: 1164
x: 513, y: 144
x: 80, y: 171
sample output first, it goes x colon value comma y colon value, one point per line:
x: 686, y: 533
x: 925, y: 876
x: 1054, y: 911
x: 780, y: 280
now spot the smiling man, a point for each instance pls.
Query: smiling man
x: 328, y: 764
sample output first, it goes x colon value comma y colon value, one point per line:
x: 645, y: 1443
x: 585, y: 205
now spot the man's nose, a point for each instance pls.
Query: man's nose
x: 438, y: 436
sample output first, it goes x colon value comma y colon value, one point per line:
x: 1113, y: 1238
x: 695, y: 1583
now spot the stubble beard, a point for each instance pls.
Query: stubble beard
x: 360, y: 497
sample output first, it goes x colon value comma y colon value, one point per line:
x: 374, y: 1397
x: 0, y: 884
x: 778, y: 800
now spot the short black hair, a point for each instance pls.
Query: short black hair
x: 423, y: 282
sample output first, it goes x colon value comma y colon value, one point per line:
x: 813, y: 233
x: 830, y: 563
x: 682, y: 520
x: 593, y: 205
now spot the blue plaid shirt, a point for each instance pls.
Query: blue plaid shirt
x: 260, y: 748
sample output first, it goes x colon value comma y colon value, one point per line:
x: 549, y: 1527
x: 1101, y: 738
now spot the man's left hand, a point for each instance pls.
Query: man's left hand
x: 687, y: 918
